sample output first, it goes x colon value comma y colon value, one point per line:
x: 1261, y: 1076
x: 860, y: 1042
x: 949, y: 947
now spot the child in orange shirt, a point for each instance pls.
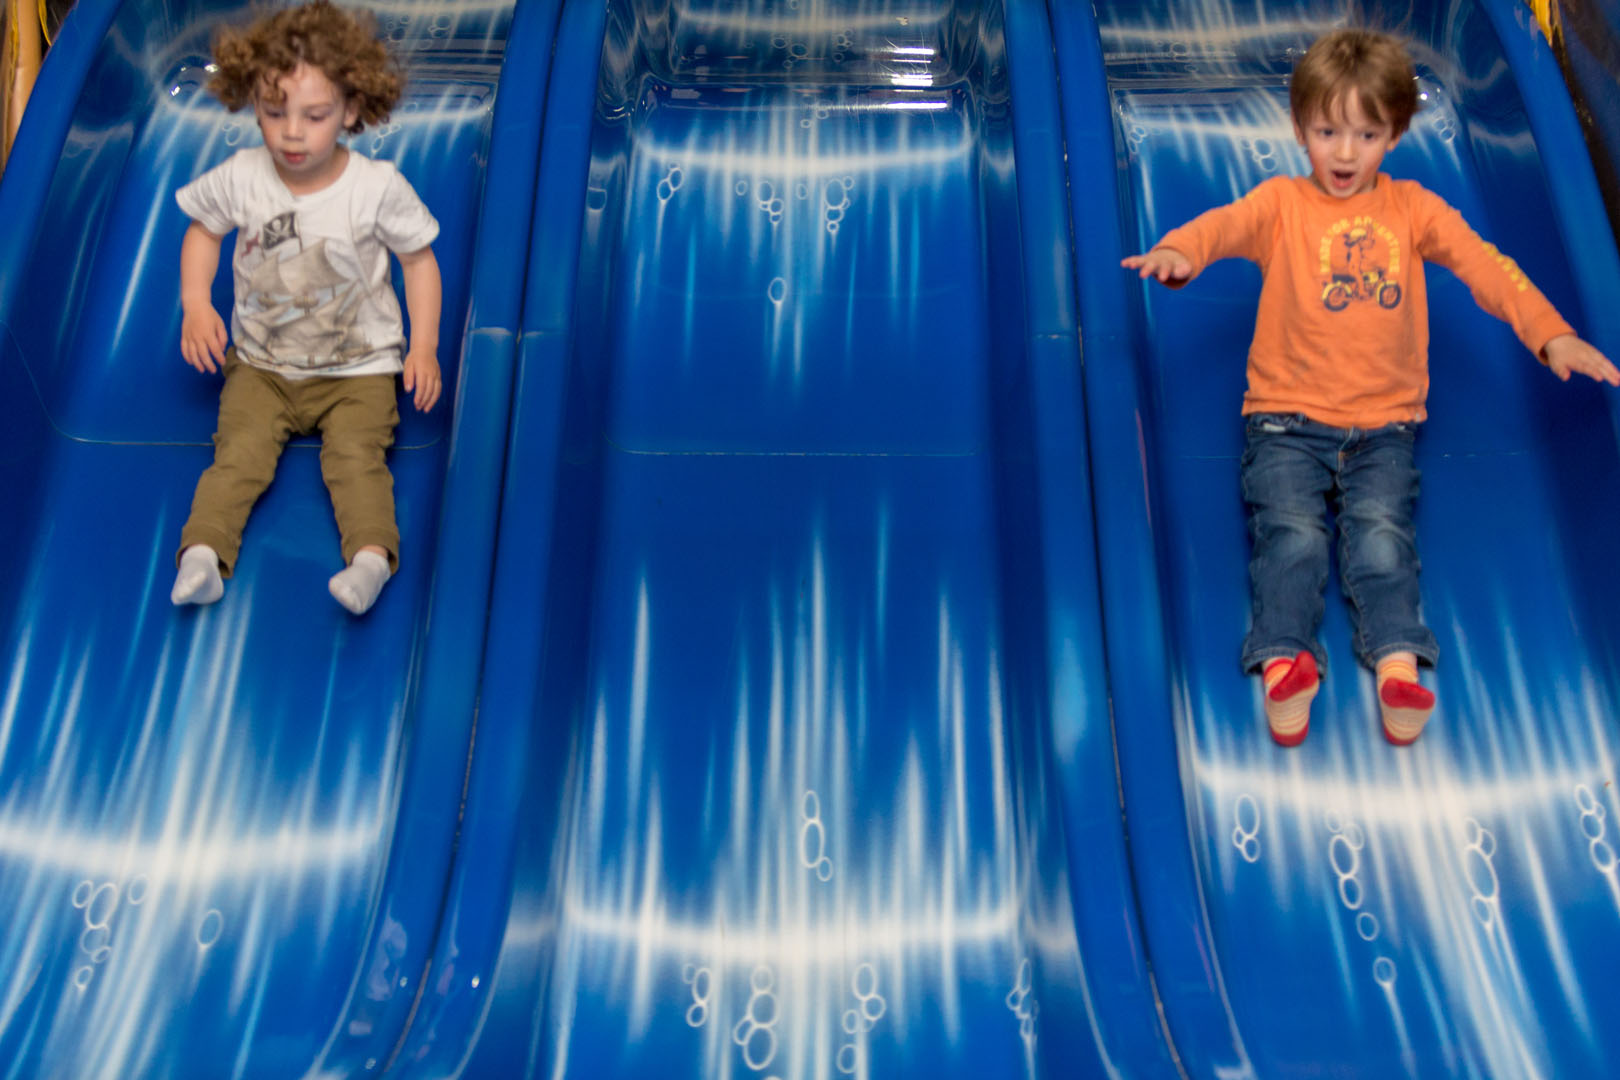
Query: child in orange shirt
x: 1338, y: 373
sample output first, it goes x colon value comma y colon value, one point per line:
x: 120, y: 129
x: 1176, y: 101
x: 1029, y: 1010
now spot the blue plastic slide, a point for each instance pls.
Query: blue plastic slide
x: 794, y: 756
x: 814, y: 652
x: 1348, y: 908
x: 224, y: 833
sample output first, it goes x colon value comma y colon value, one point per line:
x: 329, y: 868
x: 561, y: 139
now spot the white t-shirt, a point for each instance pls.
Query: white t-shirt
x: 313, y: 296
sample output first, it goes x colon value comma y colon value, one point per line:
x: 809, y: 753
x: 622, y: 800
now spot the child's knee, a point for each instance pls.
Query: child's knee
x: 354, y: 453
x: 1382, y: 547
x: 1294, y: 524
x: 250, y: 450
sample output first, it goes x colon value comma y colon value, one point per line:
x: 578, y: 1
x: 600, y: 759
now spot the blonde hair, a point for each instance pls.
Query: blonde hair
x: 1376, y: 66
x: 342, y: 44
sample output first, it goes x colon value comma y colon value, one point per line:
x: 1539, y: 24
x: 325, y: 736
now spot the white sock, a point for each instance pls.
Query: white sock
x: 197, y: 581
x: 356, y: 586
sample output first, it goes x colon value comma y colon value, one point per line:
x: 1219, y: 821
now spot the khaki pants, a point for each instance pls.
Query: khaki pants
x: 258, y: 412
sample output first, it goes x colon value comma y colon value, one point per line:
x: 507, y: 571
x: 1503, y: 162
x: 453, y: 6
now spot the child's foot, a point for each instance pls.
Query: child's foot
x: 1404, y: 704
x: 197, y: 581
x: 356, y: 586
x: 1290, y: 686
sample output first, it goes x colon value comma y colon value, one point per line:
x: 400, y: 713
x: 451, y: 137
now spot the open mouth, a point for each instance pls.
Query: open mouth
x: 1343, y: 177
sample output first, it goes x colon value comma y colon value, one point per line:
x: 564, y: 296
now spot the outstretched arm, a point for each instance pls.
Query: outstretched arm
x: 202, y: 331
x: 422, y: 299
x: 1168, y: 265
x: 1242, y: 229
x: 1567, y: 354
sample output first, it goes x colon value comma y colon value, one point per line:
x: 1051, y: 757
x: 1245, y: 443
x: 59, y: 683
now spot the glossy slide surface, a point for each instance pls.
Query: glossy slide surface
x: 793, y: 754
x: 224, y: 832
x: 831, y: 594
x: 1348, y: 908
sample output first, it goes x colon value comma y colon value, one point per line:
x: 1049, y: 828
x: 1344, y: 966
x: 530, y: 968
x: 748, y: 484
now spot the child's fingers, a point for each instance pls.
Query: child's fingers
x: 428, y: 394
x: 1594, y: 365
x: 412, y: 385
x: 203, y: 346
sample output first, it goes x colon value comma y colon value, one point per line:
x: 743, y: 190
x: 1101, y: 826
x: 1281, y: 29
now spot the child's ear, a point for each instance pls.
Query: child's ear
x: 1299, y: 132
x: 351, y: 111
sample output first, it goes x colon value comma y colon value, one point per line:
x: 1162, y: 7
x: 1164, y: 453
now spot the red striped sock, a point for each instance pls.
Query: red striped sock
x: 1290, y: 686
x: 1404, y: 705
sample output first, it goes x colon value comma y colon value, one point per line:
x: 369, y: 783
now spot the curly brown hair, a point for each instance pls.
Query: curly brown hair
x: 1376, y: 66
x: 251, y: 62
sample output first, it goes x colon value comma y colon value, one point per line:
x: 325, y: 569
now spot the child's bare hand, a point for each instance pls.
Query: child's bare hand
x: 203, y: 338
x: 1568, y: 354
x: 1166, y: 264
x: 422, y: 379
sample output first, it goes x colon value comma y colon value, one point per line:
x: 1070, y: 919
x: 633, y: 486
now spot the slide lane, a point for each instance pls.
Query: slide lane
x: 1350, y: 907
x: 794, y: 756
x: 224, y: 833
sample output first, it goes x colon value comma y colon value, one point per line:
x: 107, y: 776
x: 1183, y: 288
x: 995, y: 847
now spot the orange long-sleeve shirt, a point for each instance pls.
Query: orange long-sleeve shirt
x: 1342, y: 333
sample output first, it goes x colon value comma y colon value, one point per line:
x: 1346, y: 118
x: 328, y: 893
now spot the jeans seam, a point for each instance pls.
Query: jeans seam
x: 1359, y: 638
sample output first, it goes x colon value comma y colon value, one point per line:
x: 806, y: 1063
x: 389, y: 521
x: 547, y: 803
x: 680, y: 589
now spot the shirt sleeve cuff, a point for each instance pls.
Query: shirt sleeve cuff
x: 1544, y: 330
x: 192, y: 208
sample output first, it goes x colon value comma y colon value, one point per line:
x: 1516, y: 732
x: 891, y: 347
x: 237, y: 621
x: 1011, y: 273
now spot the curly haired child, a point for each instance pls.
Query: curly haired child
x: 318, y: 335
x: 1338, y: 373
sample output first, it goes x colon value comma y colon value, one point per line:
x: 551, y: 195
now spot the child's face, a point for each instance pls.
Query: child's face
x: 301, y: 130
x: 1346, y: 149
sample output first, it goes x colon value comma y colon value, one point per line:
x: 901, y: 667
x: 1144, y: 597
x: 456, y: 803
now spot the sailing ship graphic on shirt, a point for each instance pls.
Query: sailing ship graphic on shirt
x: 301, y: 310
x: 1360, y: 258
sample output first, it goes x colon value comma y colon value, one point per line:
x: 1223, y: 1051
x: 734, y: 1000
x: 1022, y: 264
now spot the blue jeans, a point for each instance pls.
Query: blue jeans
x: 1292, y: 467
